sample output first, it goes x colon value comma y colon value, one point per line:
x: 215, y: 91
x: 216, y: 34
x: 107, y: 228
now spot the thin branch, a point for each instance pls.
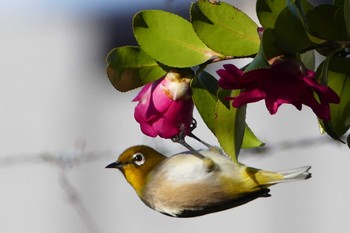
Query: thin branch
x: 64, y: 161
x: 76, y: 202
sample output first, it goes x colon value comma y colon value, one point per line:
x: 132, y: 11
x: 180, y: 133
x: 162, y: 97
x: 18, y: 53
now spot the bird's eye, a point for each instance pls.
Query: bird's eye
x: 138, y: 159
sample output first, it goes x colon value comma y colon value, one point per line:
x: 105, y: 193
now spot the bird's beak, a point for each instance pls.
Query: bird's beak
x: 117, y: 165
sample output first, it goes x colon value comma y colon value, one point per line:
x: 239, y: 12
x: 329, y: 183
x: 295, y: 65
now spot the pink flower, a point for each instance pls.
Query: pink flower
x: 164, y: 106
x: 286, y: 82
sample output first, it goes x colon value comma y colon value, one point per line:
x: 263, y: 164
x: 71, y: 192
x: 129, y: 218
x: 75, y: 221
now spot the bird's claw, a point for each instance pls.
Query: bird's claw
x: 180, y: 138
x: 193, y: 125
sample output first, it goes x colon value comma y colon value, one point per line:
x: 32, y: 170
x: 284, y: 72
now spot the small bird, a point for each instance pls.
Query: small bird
x: 186, y: 185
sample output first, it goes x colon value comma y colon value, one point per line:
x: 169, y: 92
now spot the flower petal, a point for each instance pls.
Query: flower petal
x: 272, y: 105
x: 144, y: 92
x: 168, y: 125
x: 233, y: 78
x: 324, y: 92
x: 321, y: 110
x: 233, y: 70
x: 248, y: 96
x: 283, y: 83
x: 148, y: 130
x: 160, y: 101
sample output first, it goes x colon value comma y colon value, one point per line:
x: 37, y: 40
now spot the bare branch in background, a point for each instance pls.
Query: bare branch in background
x: 76, y: 202
x: 65, y: 162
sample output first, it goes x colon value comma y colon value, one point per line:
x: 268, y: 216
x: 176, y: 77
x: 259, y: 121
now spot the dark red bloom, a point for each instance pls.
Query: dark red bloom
x: 284, y: 82
x: 164, y: 106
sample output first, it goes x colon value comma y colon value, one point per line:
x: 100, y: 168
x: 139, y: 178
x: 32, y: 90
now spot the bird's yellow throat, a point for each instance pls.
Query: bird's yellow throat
x: 137, y: 175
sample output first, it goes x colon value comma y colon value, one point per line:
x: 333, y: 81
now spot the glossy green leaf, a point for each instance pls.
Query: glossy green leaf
x: 268, y: 11
x: 259, y: 62
x: 129, y: 67
x: 335, y: 72
x: 250, y: 140
x: 327, y: 22
x: 322, y: 77
x: 290, y: 32
x: 340, y: 113
x: 268, y: 49
x: 339, y: 81
x: 229, y: 126
x: 170, y: 39
x: 304, y: 6
x: 338, y: 2
x: 339, y: 64
x: 347, y: 16
x: 270, y: 44
x: 204, y: 94
x: 225, y: 29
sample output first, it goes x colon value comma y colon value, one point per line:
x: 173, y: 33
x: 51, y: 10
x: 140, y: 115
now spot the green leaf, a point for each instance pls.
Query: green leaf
x: 268, y: 49
x: 204, y: 90
x: 170, y: 39
x: 259, y: 62
x: 340, y: 113
x: 229, y: 126
x: 339, y: 81
x: 268, y: 11
x: 331, y: 27
x: 204, y: 94
x: 304, y: 6
x: 224, y: 28
x: 270, y: 44
x: 339, y: 64
x: 322, y: 77
x: 129, y: 67
x: 338, y: 2
x: 347, y: 16
x: 290, y: 32
x: 308, y: 59
x: 335, y: 72
x: 250, y: 140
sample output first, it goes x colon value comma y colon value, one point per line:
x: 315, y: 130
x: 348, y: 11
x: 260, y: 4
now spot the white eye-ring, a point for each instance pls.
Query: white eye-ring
x: 138, y: 159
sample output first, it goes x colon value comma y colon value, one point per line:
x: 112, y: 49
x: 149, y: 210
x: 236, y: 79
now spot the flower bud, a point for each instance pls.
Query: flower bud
x: 165, y: 106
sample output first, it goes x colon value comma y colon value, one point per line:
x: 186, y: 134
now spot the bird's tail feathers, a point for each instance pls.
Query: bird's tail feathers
x: 296, y: 174
x: 267, y: 178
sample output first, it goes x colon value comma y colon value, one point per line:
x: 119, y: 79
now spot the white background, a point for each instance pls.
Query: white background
x: 57, y: 103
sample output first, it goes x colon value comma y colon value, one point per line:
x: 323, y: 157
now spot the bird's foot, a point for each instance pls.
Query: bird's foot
x: 192, y: 127
x: 182, y: 141
x: 180, y: 138
x: 210, y: 147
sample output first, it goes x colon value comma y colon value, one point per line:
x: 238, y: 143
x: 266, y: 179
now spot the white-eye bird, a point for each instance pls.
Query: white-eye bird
x: 185, y: 185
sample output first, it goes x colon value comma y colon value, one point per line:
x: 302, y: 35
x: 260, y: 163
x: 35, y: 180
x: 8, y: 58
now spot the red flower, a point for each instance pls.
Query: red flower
x: 164, y: 106
x: 285, y: 82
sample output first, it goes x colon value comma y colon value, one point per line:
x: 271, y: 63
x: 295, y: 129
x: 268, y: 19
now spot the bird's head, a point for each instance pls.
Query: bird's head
x: 136, y: 163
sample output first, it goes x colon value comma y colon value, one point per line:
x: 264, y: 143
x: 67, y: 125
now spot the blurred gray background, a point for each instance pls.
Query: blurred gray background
x: 62, y: 122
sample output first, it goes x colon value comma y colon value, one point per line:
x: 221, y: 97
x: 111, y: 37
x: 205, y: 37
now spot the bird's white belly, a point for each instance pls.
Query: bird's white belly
x: 183, y: 182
